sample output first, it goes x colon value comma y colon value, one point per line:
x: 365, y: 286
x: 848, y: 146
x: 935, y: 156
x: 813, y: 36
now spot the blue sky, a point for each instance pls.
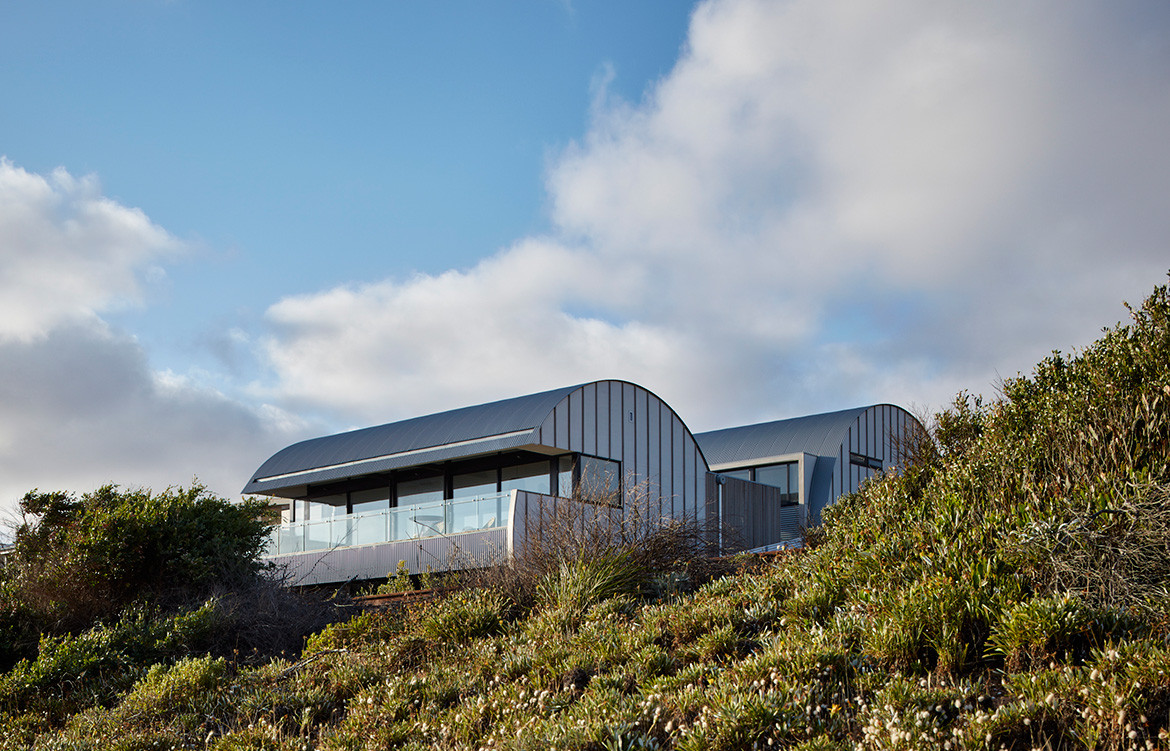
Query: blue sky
x: 294, y: 146
x: 228, y: 226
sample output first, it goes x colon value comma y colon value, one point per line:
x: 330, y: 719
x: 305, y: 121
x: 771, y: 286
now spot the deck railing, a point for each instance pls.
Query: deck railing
x: 393, y: 525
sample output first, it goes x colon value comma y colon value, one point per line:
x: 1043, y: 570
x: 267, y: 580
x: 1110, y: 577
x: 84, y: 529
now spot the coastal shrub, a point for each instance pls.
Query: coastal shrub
x: 1059, y: 627
x: 571, y: 544
x: 462, y: 615
x: 578, y: 584
x: 363, y: 629
x: 76, y: 560
x: 71, y: 672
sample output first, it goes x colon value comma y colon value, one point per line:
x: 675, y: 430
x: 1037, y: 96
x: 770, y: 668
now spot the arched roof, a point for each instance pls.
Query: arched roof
x: 816, y: 434
x: 496, y: 426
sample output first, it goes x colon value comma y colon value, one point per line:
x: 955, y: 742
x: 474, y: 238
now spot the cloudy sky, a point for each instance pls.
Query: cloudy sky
x: 227, y: 226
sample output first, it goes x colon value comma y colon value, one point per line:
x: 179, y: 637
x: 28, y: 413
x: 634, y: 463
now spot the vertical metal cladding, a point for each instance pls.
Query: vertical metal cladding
x: 849, y: 446
x: 623, y: 422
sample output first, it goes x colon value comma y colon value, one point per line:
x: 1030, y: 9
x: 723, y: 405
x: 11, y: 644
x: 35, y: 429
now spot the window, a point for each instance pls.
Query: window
x: 423, y: 490
x: 325, y: 507
x: 375, y: 499
x: 533, y: 477
x: 784, y: 476
x: 565, y: 476
x: 868, y: 462
x: 472, y: 484
x: 589, y: 477
x: 600, y: 478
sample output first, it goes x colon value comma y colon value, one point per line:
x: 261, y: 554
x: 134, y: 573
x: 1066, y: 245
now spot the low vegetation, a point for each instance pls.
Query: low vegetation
x: 1007, y: 589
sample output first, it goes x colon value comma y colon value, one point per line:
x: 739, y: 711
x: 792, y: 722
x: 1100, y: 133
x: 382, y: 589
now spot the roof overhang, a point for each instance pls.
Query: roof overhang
x: 294, y: 484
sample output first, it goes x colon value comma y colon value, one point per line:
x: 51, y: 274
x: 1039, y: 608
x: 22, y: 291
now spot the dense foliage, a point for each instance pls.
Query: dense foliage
x: 1008, y: 589
x: 76, y: 560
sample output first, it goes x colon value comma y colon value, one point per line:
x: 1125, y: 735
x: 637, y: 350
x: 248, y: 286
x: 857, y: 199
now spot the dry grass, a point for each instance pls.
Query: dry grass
x: 594, y: 525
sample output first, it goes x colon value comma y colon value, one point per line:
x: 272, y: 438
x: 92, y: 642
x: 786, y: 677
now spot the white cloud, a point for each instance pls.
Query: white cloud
x: 823, y: 204
x: 80, y: 407
x: 67, y: 252
x: 79, y: 404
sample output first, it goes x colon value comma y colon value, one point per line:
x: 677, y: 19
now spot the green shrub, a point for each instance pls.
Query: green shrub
x: 371, y: 627
x: 77, y: 560
x: 1060, y: 627
x: 578, y: 584
x: 397, y: 581
x: 467, y: 614
x: 72, y: 672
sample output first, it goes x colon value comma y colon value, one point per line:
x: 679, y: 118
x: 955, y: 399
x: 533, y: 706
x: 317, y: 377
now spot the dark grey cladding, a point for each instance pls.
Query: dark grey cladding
x: 332, y: 457
x: 815, y: 434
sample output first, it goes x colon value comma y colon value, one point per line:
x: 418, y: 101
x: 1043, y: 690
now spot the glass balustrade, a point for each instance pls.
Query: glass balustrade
x: 393, y: 525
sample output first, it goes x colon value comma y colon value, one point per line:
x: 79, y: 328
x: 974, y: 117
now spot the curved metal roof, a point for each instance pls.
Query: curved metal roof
x: 490, y: 427
x: 817, y: 434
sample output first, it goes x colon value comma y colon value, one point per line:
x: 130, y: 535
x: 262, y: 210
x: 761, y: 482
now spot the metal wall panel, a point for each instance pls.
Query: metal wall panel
x: 560, y: 421
x: 678, y: 469
x: 642, y: 435
x: 629, y: 444
x: 576, y: 421
x: 617, y: 418
x: 589, y: 418
x: 653, y: 465
x: 655, y: 448
x: 754, y: 515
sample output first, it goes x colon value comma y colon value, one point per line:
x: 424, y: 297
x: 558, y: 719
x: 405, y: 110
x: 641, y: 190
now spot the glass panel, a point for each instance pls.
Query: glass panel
x: 375, y: 499
x: 316, y: 535
x: 565, y: 476
x: 474, y: 484
x: 478, y: 513
x: 289, y: 539
x: 784, y: 476
x: 601, y: 479
x: 325, y: 507
x: 740, y: 474
x: 421, y: 521
x: 425, y: 490
x: 391, y: 525
x: 370, y: 527
x: 776, y: 476
x: 531, y: 477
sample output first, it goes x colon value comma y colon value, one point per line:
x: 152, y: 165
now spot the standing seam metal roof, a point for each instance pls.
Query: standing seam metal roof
x: 817, y: 434
x: 507, y: 416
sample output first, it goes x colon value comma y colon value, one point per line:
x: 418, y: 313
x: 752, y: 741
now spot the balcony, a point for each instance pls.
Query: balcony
x: 401, y: 524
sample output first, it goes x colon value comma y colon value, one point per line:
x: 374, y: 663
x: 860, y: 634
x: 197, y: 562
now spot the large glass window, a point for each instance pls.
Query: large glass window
x: 601, y: 479
x: 472, y: 484
x: 422, y: 490
x: 784, y: 476
x: 565, y: 476
x: 325, y: 507
x: 532, y: 477
x: 375, y: 499
x: 370, y: 522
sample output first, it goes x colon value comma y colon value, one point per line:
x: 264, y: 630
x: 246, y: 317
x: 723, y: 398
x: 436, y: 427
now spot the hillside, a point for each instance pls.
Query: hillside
x: 1008, y: 589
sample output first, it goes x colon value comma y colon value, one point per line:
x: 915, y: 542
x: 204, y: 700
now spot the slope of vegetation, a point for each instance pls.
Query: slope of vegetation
x: 1008, y: 589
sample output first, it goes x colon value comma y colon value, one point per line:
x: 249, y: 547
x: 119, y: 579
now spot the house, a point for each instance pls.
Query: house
x: 463, y: 487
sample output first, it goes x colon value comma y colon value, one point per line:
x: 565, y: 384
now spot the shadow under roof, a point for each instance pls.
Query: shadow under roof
x: 817, y: 434
x: 495, y: 426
